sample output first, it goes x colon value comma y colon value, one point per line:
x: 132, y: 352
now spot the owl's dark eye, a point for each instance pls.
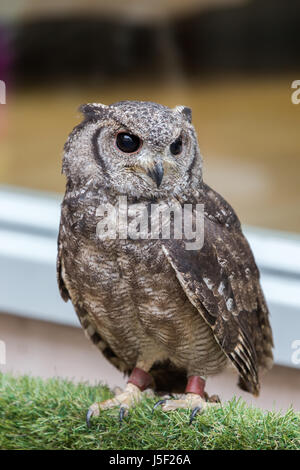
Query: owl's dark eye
x: 176, y: 146
x: 128, y: 143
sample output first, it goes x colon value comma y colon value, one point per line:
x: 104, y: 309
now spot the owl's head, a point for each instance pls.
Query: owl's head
x: 136, y: 148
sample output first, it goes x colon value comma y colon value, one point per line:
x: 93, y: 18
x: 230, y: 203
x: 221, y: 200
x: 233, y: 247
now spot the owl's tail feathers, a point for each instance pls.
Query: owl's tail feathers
x: 248, y: 386
x: 263, y: 337
x: 254, y: 387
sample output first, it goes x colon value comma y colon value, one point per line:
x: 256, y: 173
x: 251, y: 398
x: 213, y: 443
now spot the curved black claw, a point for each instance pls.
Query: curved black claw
x: 193, y: 413
x: 88, y: 417
x: 159, y: 402
x: 122, y: 413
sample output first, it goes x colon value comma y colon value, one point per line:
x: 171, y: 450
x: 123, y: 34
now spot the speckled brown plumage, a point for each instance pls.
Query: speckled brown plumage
x: 179, y: 312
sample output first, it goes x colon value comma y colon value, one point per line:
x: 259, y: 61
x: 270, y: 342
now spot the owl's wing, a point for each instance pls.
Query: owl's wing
x: 62, y: 287
x: 222, y: 281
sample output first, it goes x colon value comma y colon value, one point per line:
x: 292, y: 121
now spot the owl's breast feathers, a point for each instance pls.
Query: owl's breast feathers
x: 222, y: 281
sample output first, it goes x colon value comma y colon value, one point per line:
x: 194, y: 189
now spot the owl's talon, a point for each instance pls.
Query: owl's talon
x: 214, y: 399
x: 193, y: 413
x: 123, y: 412
x: 158, y: 403
x: 88, y: 417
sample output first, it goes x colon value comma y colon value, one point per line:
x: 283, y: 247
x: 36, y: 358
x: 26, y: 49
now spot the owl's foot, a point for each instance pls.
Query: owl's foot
x: 138, y: 381
x: 194, y: 398
x: 125, y: 400
x: 195, y: 402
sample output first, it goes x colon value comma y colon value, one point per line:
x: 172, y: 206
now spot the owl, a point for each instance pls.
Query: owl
x: 167, y: 316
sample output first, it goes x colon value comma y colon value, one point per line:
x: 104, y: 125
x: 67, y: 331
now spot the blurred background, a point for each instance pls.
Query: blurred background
x: 233, y: 62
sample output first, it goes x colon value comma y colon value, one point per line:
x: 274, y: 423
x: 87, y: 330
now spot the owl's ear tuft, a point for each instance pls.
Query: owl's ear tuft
x: 90, y: 110
x: 185, y: 111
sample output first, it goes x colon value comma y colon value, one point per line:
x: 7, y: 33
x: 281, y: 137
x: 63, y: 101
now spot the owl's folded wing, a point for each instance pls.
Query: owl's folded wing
x: 222, y: 281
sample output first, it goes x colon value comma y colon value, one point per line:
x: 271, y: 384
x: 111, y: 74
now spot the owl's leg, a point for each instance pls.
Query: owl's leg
x: 138, y: 382
x: 194, y: 398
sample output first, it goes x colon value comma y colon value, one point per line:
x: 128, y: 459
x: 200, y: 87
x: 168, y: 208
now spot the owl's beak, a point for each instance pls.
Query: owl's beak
x: 156, y: 173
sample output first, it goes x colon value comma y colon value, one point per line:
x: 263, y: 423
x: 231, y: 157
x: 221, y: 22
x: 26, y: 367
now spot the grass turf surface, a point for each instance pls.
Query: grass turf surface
x: 38, y: 414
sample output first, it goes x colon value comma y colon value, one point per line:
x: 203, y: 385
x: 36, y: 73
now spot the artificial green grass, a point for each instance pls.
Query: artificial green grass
x: 38, y: 414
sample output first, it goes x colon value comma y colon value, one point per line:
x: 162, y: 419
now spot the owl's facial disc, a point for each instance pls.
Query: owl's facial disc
x: 130, y: 144
x: 146, y: 162
x: 156, y: 172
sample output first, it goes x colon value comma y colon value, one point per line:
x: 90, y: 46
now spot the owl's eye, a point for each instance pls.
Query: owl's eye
x: 176, y: 146
x: 128, y: 143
